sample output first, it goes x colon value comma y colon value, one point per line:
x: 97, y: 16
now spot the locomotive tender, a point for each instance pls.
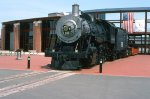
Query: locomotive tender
x: 84, y: 41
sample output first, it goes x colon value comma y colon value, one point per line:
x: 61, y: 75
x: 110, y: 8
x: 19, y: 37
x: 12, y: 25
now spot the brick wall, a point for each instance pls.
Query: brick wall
x: 3, y: 37
x: 16, y: 31
x: 37, y: 29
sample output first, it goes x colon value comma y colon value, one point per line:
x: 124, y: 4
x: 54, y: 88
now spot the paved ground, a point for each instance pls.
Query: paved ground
x: 17, y: 82
x: 25, y: 81
x: 7, y: 72
x: 38, y: 62
x: 138, y: 65
x: 25, y: 78
x: 81, y: 86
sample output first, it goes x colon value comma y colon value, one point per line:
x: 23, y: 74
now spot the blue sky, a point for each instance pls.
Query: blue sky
x: 23, y: 9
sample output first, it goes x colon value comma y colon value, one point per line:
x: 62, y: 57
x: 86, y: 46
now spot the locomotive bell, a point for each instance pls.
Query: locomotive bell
x: 75, y: 10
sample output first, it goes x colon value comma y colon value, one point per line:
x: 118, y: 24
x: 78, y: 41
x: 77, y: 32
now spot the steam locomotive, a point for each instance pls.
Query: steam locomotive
x: 85, y: 41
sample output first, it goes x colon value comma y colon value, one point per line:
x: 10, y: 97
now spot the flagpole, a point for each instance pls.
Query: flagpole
x: 120, y: 18
x: 145, y: 31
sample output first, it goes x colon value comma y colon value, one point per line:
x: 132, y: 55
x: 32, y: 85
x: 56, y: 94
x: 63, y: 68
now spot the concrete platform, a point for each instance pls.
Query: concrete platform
x: 82, y: 86
x: 9, y: 72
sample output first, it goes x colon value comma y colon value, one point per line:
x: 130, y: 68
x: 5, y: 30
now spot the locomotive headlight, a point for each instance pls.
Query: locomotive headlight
x: 65, y: 28
x: 68, y: 28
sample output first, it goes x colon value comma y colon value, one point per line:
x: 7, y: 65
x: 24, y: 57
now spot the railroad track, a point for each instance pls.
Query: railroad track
x: 6, y: 79
x: 34, y: 83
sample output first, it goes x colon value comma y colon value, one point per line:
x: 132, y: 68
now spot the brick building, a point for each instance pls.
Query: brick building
x: 29, y: 34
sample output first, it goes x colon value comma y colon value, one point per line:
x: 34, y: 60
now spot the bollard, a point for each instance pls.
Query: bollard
x: 20, y: 53
x: 28, y: 62
x: 100, y: 66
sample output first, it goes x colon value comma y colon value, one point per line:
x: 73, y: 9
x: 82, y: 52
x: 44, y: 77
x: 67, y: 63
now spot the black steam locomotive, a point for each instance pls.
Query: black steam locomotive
x: 85, y: 41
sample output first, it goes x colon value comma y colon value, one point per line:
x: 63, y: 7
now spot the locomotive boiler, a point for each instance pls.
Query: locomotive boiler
x: 83, y: 41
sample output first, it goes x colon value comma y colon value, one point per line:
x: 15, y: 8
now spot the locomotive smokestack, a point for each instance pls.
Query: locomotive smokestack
x: 75, y: 10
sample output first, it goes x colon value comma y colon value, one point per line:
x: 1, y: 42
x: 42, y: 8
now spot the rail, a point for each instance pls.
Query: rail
x: 34, y: 83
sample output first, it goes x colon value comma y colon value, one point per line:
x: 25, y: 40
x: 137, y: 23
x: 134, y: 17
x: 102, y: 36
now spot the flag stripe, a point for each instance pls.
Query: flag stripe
x: 128, y: 24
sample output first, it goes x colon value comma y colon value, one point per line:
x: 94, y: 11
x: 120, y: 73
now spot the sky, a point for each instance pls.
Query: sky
x: 24, y: 9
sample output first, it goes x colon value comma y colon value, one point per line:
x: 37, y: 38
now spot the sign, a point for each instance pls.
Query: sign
x: 139, y: 25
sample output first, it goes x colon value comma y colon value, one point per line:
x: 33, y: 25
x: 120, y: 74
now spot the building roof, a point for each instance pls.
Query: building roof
x: 108, y: 10
x: 30, y: 20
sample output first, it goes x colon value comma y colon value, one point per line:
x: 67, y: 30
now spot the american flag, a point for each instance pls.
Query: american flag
x: 128, y: 21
